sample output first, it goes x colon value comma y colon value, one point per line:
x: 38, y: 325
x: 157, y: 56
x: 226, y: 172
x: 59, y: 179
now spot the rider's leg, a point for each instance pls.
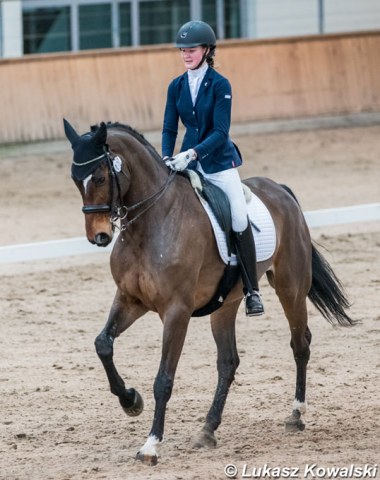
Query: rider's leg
x: 229, y: 181
x: 246, y: 253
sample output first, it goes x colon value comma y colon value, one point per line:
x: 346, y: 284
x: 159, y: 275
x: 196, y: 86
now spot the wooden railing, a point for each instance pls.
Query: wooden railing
x: 271, y: 79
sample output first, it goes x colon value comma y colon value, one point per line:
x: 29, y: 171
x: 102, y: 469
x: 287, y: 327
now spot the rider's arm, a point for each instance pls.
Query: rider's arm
x: 221, y: 120
x: 170, y: 125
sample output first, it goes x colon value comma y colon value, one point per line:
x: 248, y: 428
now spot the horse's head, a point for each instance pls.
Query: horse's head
x: 93, y: 173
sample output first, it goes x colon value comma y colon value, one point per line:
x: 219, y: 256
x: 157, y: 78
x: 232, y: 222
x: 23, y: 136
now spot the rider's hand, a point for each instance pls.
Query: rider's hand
x: 181, y: 161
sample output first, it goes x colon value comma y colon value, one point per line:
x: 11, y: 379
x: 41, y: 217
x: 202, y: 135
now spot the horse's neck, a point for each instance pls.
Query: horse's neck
x: 154, y: 193
x: 147, y: 175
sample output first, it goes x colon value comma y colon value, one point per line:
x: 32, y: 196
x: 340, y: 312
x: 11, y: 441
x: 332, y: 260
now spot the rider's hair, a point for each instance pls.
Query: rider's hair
x: 210, y: 56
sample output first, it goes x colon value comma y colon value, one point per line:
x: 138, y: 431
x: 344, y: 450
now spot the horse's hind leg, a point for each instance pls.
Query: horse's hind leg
x: 120, y: 318
x: 300, y: 343
x: 296, y: 313
x: 292, y: 295
x: 223, y: 329
x: 301, y: 350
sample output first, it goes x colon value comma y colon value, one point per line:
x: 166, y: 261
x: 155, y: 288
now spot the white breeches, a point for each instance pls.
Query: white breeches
x: 229, y: 181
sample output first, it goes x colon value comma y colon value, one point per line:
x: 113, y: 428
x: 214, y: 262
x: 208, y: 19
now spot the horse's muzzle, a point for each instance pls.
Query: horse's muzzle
x: 102, y: 239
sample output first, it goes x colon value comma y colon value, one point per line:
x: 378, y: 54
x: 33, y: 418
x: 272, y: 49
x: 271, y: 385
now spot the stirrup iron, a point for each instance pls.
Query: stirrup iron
x: 253, y: 304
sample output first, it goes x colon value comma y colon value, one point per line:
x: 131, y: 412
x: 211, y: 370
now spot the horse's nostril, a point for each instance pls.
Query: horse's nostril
x: 102, y: 239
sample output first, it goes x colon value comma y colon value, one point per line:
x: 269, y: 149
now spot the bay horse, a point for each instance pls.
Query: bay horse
x: 166, y: 260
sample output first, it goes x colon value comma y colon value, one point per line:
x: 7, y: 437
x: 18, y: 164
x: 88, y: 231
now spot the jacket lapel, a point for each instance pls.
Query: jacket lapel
x: 206, y: 82
x: 186, y: 89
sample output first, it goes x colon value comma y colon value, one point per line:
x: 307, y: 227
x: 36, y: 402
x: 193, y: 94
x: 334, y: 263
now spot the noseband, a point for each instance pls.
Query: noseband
x: 115, y: 207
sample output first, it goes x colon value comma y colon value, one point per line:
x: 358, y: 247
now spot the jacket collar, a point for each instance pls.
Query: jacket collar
x: 206, y: 83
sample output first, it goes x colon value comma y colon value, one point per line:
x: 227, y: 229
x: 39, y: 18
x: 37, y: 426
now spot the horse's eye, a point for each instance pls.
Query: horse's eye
x: 98, y: 181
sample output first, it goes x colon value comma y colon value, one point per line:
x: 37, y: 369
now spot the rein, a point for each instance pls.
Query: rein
x: 121, y: 211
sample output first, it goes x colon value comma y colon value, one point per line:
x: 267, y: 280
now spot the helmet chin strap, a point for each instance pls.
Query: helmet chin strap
x: 202, y: 60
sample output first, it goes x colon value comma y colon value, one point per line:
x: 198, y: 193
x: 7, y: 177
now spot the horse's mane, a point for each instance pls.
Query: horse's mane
x: 134, y: 133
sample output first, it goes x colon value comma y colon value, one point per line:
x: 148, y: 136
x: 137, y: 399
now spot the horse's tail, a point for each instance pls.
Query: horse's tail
x: 326, y: 291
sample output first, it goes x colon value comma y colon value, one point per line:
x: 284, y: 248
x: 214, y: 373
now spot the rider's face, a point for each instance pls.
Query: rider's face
x: 192, y: 56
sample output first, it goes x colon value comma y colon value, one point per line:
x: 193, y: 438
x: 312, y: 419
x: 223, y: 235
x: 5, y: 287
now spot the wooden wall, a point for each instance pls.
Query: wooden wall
x: 271, y: 79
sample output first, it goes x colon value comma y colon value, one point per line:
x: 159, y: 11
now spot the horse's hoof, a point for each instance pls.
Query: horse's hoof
x: 205, y: 439
x: 294, y: 423
x: 137, y: 407
x: 150, y: 460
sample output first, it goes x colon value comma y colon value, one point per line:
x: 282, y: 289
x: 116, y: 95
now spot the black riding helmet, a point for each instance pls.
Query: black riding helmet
x: 194, y: 34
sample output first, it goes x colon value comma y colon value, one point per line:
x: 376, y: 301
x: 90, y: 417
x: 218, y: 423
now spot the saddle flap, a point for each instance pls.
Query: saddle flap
x: 217, y: 200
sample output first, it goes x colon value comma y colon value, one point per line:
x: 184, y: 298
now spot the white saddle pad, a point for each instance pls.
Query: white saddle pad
x: 265, y: 239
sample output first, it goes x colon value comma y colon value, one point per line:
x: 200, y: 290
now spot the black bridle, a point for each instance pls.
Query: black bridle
x: 113, y: 182
x: 115, y: 208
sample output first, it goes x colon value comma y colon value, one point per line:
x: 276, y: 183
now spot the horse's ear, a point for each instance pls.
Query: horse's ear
x: 100, y: 136
x: 71, y: 134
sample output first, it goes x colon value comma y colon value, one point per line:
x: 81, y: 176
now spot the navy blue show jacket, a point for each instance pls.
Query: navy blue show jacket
x: 207, y: 123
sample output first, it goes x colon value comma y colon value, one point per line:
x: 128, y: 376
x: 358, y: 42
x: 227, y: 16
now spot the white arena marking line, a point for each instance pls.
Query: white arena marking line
x: 342, y: 215
x: 50, y: 249
x: 80, y: 245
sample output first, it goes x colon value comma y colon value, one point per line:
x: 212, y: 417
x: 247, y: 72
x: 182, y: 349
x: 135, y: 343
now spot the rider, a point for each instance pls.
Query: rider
x: 201, y: 98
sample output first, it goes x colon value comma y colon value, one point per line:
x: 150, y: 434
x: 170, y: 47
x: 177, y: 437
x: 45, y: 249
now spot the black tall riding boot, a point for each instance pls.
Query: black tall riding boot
x: 246, y: 254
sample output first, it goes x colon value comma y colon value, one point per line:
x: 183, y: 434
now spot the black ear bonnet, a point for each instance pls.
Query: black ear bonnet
x: 87, y: 150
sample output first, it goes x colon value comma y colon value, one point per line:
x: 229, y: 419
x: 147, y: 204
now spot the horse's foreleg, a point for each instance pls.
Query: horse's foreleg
x: 223, y: 329
x: 120, y: 318
x: 175, y: 328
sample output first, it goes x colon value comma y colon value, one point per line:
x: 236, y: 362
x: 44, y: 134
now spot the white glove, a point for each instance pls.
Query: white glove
x: 181, y: 161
